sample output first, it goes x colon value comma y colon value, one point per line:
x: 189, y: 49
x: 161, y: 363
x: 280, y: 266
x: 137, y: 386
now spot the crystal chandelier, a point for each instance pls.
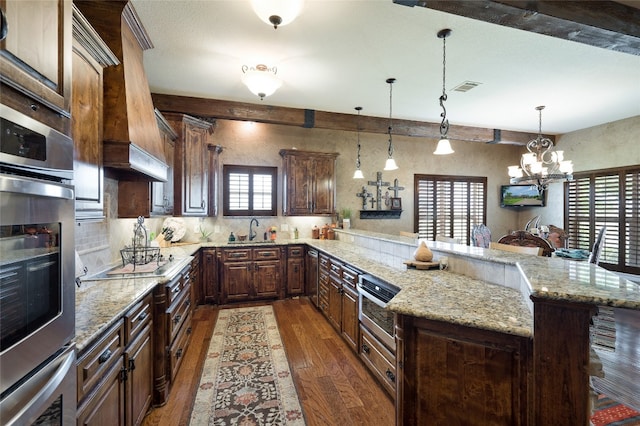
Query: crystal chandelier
x: 444, y: 146
x: 391, y: 163
x: 358, y: 173
x: 261, y: 80
x: 542, y: 165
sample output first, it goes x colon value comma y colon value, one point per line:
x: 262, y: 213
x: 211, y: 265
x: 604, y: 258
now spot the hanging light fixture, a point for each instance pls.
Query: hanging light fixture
x: 541, y: 165
x: 444, y: 146
x: 277, y: 12
x: 391, y: 163
x: 261, y: 80
x: 358, y: 173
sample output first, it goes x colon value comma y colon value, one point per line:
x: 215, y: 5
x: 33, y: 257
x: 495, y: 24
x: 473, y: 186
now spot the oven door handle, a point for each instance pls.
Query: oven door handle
x: 364, y: 293
x: 44, y: 386
x: 35, y: 187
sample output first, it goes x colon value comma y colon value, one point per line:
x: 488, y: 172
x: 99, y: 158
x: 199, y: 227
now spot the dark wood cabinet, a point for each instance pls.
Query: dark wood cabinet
x: 35, y: 57
x: 323, y: 283
x: 250, y: 274
x: 350, y: 325
x: 90, y: 56
x: 479, y: 375
x: 309, y: 183
x: 191, y: 166
x: 311, y: 276
x: 209, y: 276
x: 162, y: 192
x: 295, y: 270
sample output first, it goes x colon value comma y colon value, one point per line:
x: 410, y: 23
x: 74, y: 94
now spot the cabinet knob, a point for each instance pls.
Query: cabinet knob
x: 105, y: 356
x: 365, y: 348
x: 391, y: 376
x: 177, y: 319
x: 132, y: 364
x: 202, y: 204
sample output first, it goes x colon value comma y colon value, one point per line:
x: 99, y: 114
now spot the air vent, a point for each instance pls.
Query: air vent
x: 466, y: 86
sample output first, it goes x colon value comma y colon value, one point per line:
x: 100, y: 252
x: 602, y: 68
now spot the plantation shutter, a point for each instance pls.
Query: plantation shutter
x: 449, y: 205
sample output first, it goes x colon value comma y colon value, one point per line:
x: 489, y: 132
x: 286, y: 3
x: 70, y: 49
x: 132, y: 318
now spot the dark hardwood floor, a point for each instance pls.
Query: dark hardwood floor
x: 334, y: 387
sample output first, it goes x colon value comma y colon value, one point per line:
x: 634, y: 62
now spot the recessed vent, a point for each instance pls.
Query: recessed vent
x: 466, y: 86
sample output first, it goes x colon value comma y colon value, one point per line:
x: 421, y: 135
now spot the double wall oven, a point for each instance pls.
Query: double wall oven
x: 37, y: 287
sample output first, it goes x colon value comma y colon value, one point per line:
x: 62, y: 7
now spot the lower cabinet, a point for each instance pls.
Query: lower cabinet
x: 115, y: 373
x: 295, y: 270
x: 250, y: 274
x: 350, y: 325
x: 209, y: 274
x: 380, y: 361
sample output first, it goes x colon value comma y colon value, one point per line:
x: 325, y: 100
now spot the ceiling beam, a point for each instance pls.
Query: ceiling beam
x: 606, y: 24
x: 229, y: 110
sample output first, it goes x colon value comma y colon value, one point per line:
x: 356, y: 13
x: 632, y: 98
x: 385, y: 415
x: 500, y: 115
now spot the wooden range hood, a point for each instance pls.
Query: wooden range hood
x: 132, y: 149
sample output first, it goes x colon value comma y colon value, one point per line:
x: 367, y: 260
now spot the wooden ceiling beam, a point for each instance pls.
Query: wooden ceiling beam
x: 229, y: 110
x: 605, y: 24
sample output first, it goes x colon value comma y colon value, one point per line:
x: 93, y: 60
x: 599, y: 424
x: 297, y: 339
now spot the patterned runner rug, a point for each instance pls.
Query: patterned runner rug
x: 246, y: 378
x: 610, y: 412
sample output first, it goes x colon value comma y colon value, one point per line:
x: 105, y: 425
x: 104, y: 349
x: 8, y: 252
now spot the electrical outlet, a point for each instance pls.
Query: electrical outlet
x: 216, y: 229
x: 284, y: 227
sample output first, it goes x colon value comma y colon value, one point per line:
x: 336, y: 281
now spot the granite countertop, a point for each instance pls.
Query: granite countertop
x: 100, y: 303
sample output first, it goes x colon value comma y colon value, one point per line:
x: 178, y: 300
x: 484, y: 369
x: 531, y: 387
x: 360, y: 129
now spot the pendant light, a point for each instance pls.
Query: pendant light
x: 277, y: 12
x: 391, y: 163
x: 444, y: 146
x: 358, y: 173
x: 261, y: 80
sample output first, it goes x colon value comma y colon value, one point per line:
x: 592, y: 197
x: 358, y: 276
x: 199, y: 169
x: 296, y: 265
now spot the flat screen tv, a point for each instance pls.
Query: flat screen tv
x: 522, y: 196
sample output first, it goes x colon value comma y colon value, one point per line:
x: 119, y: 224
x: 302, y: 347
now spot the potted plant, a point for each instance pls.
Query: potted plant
x: 204, y: 234
x: 346, y: 218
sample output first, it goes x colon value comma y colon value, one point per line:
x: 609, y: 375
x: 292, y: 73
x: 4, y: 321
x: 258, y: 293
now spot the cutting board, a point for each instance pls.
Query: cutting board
x: 416, y: 264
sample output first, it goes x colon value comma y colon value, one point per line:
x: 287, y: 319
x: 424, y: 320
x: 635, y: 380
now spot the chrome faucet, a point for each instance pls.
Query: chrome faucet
x: 252, y: 233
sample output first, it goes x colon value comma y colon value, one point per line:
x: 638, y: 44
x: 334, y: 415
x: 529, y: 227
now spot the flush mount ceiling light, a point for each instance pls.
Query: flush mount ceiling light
x: 277, y: 12
x: 391, y: 163
x: 358, y: 173
x: 444, y: 146
x: 261, y: 80
x: 541, y: 165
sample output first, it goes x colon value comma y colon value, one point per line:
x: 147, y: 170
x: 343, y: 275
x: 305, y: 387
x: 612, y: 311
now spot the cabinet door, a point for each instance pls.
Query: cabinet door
x: 334, y: 312
x: 139, y: 365
x: 86, y: 130
x: 107, y: 405
x: 236, y: 281
x: 311, y: 275
x: 324, y: 181
x: 266, y: 279
x: 195, y: 174
x: 300, y: 185
x: 36, y: 53
x: 162, y: 192
x: 350, y: 326
x: 210, y: 276
x: 295, y: 276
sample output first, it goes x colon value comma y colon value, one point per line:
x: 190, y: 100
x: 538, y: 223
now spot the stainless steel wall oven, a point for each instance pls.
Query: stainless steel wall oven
x: 37, y: 287
x: 373, y: 295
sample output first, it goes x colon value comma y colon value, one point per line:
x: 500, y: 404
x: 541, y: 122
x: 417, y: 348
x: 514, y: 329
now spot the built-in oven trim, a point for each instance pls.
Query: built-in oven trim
x: 377, y: 331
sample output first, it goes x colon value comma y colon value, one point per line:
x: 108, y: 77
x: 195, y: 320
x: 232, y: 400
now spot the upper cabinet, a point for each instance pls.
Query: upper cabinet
x: 35, y: 58
x: 191, y: 166
x: 162, y: 192
x: 90, y: 55
x: 309, y: 182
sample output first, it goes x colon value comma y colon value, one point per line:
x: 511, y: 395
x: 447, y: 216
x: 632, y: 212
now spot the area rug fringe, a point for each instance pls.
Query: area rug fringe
x: 246, y: 379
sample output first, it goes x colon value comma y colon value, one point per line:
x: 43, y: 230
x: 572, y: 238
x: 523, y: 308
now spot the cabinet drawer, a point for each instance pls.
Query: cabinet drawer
x: 236, y: 254
x: 177, y: 313
x: 295, y: 251
x: 380, y: 361
x: 324, y: 263
x: 349, y: 277
x: 266, y: 253
x: 335, y: 267
x: 100, y: 357
x: 137, y: 318
x: 173, y: 289
x: 178, y: 348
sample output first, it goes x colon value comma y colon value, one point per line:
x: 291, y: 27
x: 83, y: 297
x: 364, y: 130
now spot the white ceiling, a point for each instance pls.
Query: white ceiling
x: 338, y: 53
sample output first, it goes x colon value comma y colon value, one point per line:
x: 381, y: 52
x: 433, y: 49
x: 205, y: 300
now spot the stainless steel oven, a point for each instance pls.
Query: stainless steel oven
x: 373, y: 296
x: 37, y: 286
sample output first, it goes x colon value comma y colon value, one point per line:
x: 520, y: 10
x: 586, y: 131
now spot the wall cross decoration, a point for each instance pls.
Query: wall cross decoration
x: 378, y: 183
x: 364, y: 195
x: 395, y: 188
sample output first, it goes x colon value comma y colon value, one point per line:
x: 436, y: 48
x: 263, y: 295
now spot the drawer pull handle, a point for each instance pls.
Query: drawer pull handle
x: 105, y: 356
x: 365, y: 348
x: 189, y: 330
x: 177, y: 319
x: 176, y: 290
x: 266, y: 254
x: 179, y: 353
x: 132, y: 364
x: 142, y: 316
x: 391, y: 376
x: 237, y: 255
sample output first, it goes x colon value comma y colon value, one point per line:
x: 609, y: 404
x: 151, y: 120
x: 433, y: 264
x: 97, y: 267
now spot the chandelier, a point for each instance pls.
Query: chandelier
x: 390, y: 163
x: 542, y: 165
x: 444, y: 146
x: 358, y: 173
x: 261, y: 80
x: 277, y: 12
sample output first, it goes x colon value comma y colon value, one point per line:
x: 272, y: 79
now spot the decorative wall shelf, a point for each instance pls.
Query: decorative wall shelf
x: 380, y: 214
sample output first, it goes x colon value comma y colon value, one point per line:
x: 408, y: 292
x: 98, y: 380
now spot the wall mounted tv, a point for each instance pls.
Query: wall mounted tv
x: 522, y: 196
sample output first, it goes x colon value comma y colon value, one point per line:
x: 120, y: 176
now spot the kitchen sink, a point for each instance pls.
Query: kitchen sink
x: 163, y: 268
